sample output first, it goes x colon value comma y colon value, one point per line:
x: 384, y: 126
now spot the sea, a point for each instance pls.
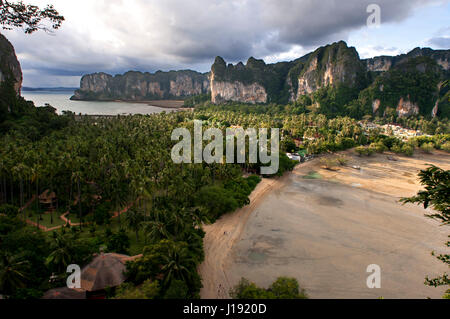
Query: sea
x: 60, y: 100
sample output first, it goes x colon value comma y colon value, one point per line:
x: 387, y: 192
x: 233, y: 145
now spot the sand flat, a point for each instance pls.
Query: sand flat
x: 326, y: 231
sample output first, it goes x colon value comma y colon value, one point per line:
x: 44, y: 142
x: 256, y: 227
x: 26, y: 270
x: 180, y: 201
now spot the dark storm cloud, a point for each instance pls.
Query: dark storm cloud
x: 440, y: 42
x: 115, y: 35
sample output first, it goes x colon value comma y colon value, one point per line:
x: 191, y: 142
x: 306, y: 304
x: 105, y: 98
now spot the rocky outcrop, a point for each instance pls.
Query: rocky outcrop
x: 237, y: 92
x: 332, y: 65
x: 258, y: 82
x: 238, y: 83
x: 385, y: 63
x: 406, y: 108
x: 376, y: 106
x: 9, y: 65
x: 379, y: 64
x: 138, y: 86
x: 435, y: 109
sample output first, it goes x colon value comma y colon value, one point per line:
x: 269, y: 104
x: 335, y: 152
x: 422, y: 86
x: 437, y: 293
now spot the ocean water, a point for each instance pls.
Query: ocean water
x: 61, y: 101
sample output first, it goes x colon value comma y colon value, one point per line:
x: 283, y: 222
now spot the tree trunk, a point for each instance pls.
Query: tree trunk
x: 79, y: 202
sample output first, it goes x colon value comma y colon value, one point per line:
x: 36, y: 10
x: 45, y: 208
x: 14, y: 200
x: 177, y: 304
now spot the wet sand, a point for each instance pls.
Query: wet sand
x: 326, y: 231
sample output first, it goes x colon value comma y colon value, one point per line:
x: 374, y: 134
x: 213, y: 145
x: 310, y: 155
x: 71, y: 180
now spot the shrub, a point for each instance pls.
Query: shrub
x: 147, y: 290
x: 282, y: 288
x: 329, y: 163
x: 118, y: 242
x: 446, y: 147
x: 427, y: 147
x: 287, y: 288
x: 342, y: 160
x: 408, y: 150
x: 9, y: 210
x: 378, y: 147
x: 363, y: 150
x: 360, y: 150
x: 404, y: 149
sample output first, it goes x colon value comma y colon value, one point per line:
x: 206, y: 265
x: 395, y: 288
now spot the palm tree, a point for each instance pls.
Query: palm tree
x: 177, y: 264
x: 155, y: 230
x: 12, y: 274
x: 61, y: 254
x: 134, y: 218
x: 77, y: 177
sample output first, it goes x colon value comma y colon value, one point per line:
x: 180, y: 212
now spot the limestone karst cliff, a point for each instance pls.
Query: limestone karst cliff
x: 254, y: 82
x: 411, y: 86
x: 138, y: 86
x: 385, y: 63
x: 333, y: 79
x: 409, y: 83
x: 9, y: 65
x: 332, y: 65
x: 257, y: 82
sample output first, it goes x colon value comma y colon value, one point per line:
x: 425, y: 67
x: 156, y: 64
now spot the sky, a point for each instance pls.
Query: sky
x: 115, y: 36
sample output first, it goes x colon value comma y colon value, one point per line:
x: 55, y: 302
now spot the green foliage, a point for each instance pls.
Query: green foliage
x: 365, y: 150
x: 287, y: 288
x: 427, y: 148
x: 178, y: 289
x: 446, y: 147
x: 147, y: 290
x: 282, y: 288
x: 404, y: 149
x: 9, y: 210
x: 436, y: 195
x: 217, y: 199
x: 415, y: 80
x: 167, y: 261
x: 30, y: 18
x: 329, y: 163
x: 118, y: 242
x: 378, y: 147
x: 288, y: 146
x: 196, y: 100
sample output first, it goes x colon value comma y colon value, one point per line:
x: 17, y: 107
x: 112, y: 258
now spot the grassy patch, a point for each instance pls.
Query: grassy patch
x: 313, y: 175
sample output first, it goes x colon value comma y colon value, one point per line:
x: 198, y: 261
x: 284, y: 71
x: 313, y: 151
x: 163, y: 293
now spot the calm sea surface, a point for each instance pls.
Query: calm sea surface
x: 61, y: 101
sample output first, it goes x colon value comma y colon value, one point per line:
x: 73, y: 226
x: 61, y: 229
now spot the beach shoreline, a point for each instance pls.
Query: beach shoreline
x: 228, y: 241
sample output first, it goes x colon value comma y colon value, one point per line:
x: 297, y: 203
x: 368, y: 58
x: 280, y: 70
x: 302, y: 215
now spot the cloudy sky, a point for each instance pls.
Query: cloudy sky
x: 148, y: 35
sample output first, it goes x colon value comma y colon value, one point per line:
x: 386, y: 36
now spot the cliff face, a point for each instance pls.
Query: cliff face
x: 331, y: 65
x: 254, y: 82
x: 257, y: 82
x: 407, y: 83
x: 138, y: 86
x: 412, y: 86
x: 385, y: 63
x: 9, y: 65
x: 238, y: 83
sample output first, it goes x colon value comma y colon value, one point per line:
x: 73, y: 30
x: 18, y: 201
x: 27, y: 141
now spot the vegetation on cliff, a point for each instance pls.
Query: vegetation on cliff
x: 138, y: 86
x: 334, y: 81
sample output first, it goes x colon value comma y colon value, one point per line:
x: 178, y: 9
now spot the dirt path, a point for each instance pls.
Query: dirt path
x: 220, y: 238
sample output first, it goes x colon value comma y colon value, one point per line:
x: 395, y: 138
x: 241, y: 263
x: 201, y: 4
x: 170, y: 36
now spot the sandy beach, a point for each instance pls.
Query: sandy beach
x: 325, y: 227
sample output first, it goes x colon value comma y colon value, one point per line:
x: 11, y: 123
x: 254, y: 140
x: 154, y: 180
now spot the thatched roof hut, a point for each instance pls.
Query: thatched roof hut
x: 47, y: 197
x: 106, y: 270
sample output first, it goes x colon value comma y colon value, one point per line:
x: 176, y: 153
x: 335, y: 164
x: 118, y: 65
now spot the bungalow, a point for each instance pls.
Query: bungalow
x: 105, y: 271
